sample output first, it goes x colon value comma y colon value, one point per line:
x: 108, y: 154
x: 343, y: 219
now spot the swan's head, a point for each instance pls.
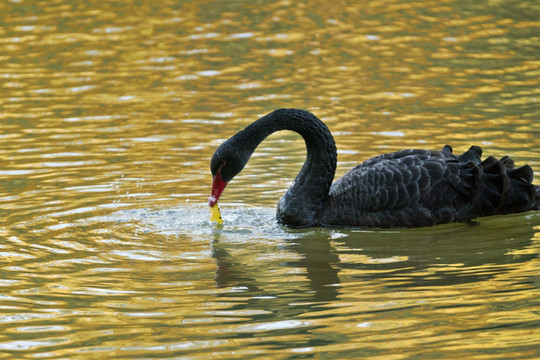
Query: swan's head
x: 228, y: 160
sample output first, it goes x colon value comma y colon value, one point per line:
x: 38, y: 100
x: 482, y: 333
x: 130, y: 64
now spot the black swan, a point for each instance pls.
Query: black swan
x: 408, y: 188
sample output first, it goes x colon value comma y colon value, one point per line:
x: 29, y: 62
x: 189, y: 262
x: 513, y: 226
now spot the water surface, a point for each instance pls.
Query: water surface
x: 110, y: 111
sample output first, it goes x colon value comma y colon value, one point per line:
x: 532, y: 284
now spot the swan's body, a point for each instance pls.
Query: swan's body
x: 408, y: 188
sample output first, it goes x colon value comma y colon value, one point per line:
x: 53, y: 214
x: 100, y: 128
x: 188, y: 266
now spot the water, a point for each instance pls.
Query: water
x: 110, y: 111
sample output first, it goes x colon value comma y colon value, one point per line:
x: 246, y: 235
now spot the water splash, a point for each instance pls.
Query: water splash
x: 239, y: 223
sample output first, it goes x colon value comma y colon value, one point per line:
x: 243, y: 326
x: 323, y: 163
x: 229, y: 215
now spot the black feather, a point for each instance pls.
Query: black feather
x: 408, y: 188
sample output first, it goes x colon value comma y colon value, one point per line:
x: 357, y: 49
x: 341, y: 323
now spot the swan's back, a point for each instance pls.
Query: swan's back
x: 412, y: 188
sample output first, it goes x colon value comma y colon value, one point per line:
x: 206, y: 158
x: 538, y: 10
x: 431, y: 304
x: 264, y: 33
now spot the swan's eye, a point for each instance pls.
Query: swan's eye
x: 223, y: 163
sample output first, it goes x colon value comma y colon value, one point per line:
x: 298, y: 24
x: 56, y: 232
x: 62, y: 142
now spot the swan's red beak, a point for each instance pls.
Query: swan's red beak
x: 218, y: 185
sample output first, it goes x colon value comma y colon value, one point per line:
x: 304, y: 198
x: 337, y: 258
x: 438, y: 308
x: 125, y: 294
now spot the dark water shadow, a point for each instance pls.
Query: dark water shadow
x: 448, y: 255
x: 360, y: 275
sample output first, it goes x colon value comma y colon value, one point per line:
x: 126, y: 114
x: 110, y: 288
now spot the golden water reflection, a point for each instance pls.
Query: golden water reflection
x: 110, y: 111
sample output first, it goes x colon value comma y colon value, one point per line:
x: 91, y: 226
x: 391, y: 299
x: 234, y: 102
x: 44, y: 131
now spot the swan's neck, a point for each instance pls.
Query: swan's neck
x: 309, y: 191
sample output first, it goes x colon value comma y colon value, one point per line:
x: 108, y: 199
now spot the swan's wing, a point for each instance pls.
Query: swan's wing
x: 413, y: 188
x: 398, y: 180
x: 397, y: 190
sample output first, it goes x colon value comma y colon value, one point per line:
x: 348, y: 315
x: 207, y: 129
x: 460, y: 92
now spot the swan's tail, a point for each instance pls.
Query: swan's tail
x: 496, y: 185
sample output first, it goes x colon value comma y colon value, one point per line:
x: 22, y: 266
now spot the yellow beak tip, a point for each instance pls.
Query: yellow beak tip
x: 215, y: 215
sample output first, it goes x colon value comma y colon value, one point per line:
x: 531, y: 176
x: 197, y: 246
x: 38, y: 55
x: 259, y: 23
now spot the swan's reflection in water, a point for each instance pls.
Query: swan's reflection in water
x: 322, y: 266
x: 446, y: 286
x: 430, y: 260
